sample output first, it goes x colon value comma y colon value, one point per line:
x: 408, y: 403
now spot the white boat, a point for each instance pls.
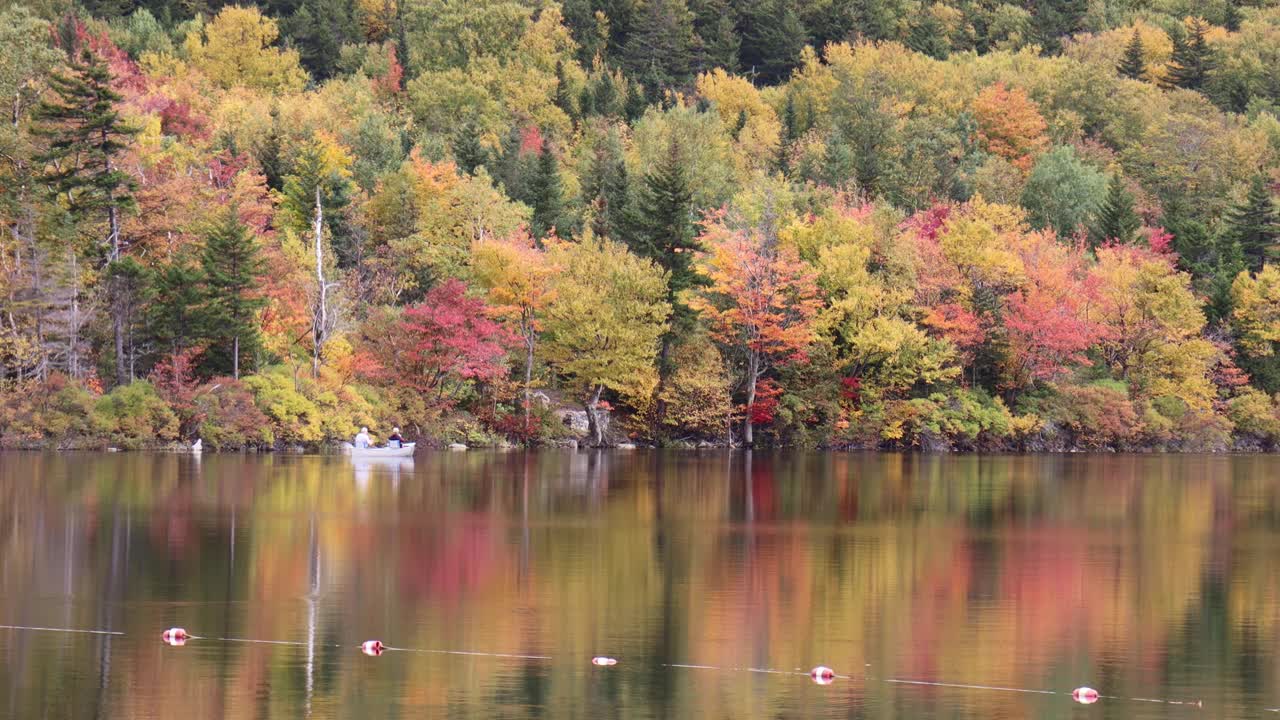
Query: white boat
x: 405, y: 450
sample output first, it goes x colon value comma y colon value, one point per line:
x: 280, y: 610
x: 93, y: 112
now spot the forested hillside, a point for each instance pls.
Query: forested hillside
x: 847, y: 223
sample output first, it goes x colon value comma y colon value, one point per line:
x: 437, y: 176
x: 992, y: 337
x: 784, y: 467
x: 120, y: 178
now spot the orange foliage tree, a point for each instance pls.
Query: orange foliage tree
x: 1010, y: 125
x: 761, y: 301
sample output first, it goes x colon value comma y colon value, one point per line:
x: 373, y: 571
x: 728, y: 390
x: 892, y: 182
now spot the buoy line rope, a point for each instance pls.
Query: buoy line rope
x: 61, y: 630
x: 821, y: 675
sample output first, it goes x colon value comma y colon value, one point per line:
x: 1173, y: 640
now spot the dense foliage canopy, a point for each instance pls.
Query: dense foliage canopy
x: 874, y: 223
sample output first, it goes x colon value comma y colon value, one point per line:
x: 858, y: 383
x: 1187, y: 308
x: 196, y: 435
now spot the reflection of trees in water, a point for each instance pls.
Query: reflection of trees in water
x: 1000, y: 569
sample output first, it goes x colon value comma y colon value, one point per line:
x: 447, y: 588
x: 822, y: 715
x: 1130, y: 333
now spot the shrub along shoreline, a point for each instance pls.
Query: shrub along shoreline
x: 276, y: 411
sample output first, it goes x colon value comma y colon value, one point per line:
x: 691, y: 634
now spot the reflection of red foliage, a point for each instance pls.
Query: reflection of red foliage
x: 447, y: 563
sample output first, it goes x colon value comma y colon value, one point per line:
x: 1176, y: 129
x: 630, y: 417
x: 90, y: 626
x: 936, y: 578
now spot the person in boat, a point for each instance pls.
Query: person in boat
x: 395, y: 440
x: 362, y: 439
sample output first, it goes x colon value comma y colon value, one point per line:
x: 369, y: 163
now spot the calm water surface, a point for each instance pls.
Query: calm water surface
x: 1145, y: 577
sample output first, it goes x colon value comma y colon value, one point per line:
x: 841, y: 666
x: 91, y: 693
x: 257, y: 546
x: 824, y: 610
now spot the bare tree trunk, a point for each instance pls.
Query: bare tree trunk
x: 660, y: 402
x: 528, y: 378
x: 753, y: 372
x: 320, y: 322
x: 235, y: 358
x: 593, y: 420
x: 73, y: 331
x: 118, y: 307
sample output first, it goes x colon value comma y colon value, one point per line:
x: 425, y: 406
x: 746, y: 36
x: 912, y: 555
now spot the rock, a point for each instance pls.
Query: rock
x: 626, y: 446
x: 457, y: 446
x: 575, y: 420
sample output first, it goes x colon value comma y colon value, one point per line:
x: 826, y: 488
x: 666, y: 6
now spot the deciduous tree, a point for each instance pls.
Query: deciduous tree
x: 760, y: 302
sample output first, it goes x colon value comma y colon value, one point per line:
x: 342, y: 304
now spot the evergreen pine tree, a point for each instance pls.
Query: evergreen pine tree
x: 740, y: 124
x: 662, y: 227
x: 1192, y: 59
x: 1132, y: 64
x: 1231, y: 16
x: 663, y: 230
x: 467, y: 150
x: 563, y: 98
x: 173, y: 300
x: 319, y: 29
x: 232, y: 269
x: 311, y: 170
x: 606, y: 190
x: 718, y: 34
x: 606, y: 95
x: 1117, y: 219
x: 85, y: 133
x: 636, y: 102
x: 658, y: 50
x: 270, y: 153
x: 587, y: 100
x: 929, y: 36
x: 1254, y: 224
x: 546, y: 195
x: 772, y: 38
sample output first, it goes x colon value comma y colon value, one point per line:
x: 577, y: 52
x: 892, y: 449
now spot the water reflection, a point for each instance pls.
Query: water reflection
x: 1142, y: 575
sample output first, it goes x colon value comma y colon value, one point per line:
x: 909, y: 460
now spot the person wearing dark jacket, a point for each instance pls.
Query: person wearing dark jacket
x: 395, y: 440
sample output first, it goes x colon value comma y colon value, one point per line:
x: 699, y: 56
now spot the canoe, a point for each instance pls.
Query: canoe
x: 405, y: 450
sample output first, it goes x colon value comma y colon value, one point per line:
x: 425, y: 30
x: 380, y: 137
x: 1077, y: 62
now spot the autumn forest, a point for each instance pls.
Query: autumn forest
x: 965, y: 224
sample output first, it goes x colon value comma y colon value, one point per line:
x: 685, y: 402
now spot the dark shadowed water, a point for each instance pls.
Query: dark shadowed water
x: 1153, y: 577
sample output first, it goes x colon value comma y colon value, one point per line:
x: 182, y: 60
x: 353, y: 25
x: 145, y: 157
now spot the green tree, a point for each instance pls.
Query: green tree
x: 662, y: 230
x: 316, y: 170
x: 1063, y: 193
x: 85, y: 134
x: 467, y: 150
x: 546, y: 196
x: 319, y: 29
x: 269, y: 152
x: 929, y: 36
x: 1192, y: 60
x: 232, y: 270
x: 606, y: 189
x: 1254, y: 224
x: 173, y: 305
x: 1117, y: 219
x: 1133, y: 64
x: 658, y: 49
x: 772, y: 38
x: 564, y: 95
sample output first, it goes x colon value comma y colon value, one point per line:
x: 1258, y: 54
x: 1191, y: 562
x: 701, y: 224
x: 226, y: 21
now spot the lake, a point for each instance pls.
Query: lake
x: 497, y: 577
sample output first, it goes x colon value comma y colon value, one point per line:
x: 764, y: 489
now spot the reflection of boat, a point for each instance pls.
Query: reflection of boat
x: 405, y: 450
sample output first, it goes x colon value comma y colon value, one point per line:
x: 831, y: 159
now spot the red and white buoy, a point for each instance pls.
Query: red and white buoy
x: 372, y: 648
x: 1085, y: 695
x: 823, y: 675
x: 602, y: 661
x: 176, y: 637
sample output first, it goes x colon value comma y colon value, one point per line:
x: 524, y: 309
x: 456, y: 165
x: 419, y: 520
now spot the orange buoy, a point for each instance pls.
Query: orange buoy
x: 372, y: 648
x: 176, y: 637
x: 823, y: 675
x: 1085, y: 695
x: 603, y: 661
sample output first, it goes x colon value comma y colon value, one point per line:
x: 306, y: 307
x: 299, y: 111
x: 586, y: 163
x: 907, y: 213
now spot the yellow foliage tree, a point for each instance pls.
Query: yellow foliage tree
x: 1256, y: 317
x: 609, y: 312
x: 235, y: 48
